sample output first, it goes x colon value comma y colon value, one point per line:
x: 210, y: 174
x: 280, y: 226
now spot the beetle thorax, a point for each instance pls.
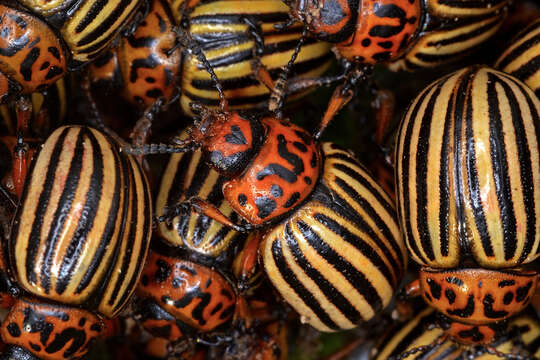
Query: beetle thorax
x: 229, y: 140
x: 478, y: 296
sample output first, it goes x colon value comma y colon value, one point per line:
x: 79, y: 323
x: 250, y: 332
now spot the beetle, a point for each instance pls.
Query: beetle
x: 521, y: 57
x: 280, y: 179
x: 404, y: 34
x: 417, y: 339
x: 468, y: 191
x: 77, y: 244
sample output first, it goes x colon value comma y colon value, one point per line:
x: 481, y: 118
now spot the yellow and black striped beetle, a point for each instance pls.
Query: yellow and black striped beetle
x: 522, y: 58
x: 418, y: 339
x: 402, y: 34
x: 468, y: 193
x: 77, y: 245
x: 229, y: 33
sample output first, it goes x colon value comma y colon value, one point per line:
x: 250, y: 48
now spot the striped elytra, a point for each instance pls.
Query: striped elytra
x: 451, y: 30
x: 419, y: 333
x: 187, y: 175
x: 88, y: 26
x: 522, y: 58
x: 468, y: 171
x: 220, y: 28
x: 82, y: 229
x: 338, y: 259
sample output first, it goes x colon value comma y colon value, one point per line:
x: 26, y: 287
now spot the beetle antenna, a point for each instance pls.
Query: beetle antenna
x: 277, y: 98
x: 192, y: 46
x: 423, y: 349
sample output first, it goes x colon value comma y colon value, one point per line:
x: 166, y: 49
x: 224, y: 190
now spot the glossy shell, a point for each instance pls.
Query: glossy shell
x: 384, y: 30
x: 468, y: 171
x: 87, y: 26
x: 81, y: 232
x: 187, y: 175
x: 338, y: 259
x: 220, y: 28
x: 280, y: 176
x: 31, y: 55
x: 420, y: 331
x: 478, y: 296
x: 194, y: 294
x: 522, y: 58
x: 141, y: 65
x: 450, y: 30
x: 50, y: 332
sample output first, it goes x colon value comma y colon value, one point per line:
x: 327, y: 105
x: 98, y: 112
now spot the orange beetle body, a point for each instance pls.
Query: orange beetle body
x: 365, y: 31
x: 194, y: 294
x: 273, y: 164
x: 31, y: 55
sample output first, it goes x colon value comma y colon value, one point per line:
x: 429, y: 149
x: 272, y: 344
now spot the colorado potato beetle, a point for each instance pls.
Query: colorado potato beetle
x: 313, y: 201
x: 468, y: 193
x: 417, y: 339
x: 522, y: 58
x: 404, y: 34
x: 79, y: 238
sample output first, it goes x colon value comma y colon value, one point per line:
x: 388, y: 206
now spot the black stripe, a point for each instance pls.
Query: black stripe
x: 463, y: 37
x: 232, y: 19
x: 380, y: 223
x: 106, y: 24
x: 355, y: 277
x: 175, y: 191
x: 415, y: 333
x: 236, y: 101
x: 61, y: 213
x: 144, y: 238
x: 70, y: 263
x: 111, y: 226
x: 300, y: 290
x: 521, y: 48
x: 405, y: 161
x: 299, y: 68
x: 527, y: 179
x: 527, y: 70
x: 499, y: 160
x: 421, y: 163
x: 475, y: 200
x: 444, y: 185
x: 363, y: 247
x: 330, y: 292
x: 94, y: 11
x: 43, y: 202
x: 126, y: 256
x: 470, y: 4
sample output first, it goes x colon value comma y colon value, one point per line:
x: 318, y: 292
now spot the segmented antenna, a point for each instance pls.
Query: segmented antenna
x: 192, y: 46
x: 424, y: 349
x: 151, y: 149
x: 277, y: 98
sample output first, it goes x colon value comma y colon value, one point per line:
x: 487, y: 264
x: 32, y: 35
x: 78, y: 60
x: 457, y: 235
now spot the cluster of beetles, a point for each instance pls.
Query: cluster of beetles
x: 166, y: 190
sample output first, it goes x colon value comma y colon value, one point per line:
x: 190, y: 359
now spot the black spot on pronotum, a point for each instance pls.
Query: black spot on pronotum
x: 450, y: 295
x: 292, y: 200
x: 242, y: 199
x: 434, y: 288
x: 163, y: 271
x: 505, y: 283
x: 14, y: 330
x: 82, y: 321
x: 488, y: 308
x: 265, y: 206
x: 465, y: 312
x: 508, y: 297
x: 522, y: 291
x: 236, y: 137
x: 366, y: 42
x: 276, y: 191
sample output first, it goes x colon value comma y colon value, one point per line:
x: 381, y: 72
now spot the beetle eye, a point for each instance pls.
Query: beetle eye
x: 332, y: 12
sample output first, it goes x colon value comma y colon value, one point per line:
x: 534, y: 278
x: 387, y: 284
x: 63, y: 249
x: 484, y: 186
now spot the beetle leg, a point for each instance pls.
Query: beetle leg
x: 95, y: 119
x: 420, y: 349
x: 20, y: 152
x: 403, y: 308
x: 204, y: 208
